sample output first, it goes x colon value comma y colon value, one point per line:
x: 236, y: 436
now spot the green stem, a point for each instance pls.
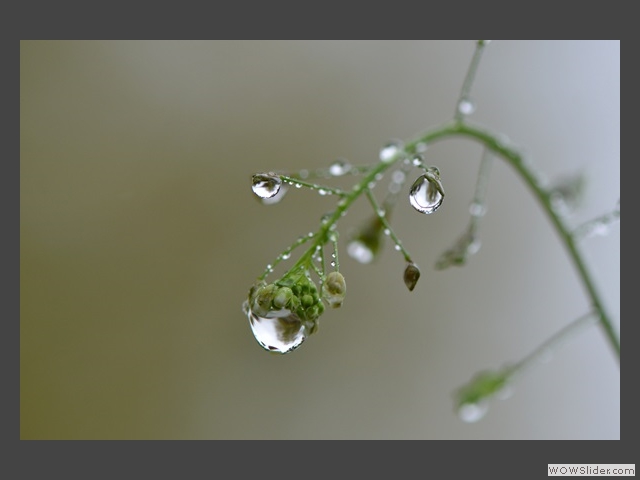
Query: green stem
x: 492, y: 142
x: 547, y: 345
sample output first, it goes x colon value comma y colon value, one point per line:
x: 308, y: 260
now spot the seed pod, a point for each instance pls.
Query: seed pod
x: 411, y: 275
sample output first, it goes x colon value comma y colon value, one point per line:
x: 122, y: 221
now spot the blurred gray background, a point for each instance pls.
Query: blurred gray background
x: 140, y: 238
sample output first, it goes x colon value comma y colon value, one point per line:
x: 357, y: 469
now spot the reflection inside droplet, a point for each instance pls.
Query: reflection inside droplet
x: 276, y: 198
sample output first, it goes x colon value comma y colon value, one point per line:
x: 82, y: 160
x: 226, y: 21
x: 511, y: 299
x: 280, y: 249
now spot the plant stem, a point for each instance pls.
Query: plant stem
x: 555, y: 339
x: 492, y: 142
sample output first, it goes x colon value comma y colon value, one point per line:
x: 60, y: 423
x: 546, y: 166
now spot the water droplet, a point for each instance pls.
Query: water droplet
x: 371, y: 185
x: 390, y: 150
x: 381, y: 212
x: 398, y: 176
x: 298, y: 185
x: 474, y: 246
x: 339, y: 167
x: 269, y: 268
x: 333, y: 263
x: 472, y: 412
x: 426, y: 193
x: 310, y: 234
x: 323, y: 192
x: 394, y: 188
x: 266, y: 185
x: 477, y: 209
x: 397, y: 247
x: 359, y: 251
x: 278, y: 331
x: 286, y: 255
x: 387, y: 231
x: 417, y: 160
x: 466, y: 106
x: 333, y: 255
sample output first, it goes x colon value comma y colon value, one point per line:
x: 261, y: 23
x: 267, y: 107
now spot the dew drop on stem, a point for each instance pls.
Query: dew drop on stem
x: 339, y: 167
x: 466, y: 106
x: 266, y: 185
x: 390, y: 150
x: 426, y: 193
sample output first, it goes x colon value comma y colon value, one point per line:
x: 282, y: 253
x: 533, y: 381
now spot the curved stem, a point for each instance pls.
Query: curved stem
x: 492, y: 142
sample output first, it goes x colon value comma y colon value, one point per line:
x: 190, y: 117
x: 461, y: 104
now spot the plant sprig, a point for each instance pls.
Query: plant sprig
x: 282, y: 314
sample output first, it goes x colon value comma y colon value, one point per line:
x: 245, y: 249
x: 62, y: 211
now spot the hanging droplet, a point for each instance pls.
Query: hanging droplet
x: 472, y: 412
x: 411, y: 276
x: 266, y: 185
x: 417, y: 160
x: 359, y: 252
x: 426, y: 193
x: 390, y: 150
x: 323, y: 192
x: 339, y: 167
x: 278, y: 331
x: 466, y: 106
x: 286, y: 255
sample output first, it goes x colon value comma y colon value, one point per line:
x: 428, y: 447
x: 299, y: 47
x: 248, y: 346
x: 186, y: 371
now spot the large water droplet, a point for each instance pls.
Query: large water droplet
x: 279, y: 331
x: 339, y: 167
x: 472, y: 412
x: 390, y: 150
x: 266, y: 185
x: 426, y: 193
x: 359, y: 251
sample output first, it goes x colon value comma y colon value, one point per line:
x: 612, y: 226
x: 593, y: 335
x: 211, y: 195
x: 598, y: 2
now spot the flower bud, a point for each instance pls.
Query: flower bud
x: 411, y: 275
x: 334, y: 289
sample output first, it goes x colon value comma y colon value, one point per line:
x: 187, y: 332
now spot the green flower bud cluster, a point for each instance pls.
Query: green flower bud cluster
x: 294, y: 292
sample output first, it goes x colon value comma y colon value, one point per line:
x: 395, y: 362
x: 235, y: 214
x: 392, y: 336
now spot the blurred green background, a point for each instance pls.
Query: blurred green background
x: 140, y: 237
